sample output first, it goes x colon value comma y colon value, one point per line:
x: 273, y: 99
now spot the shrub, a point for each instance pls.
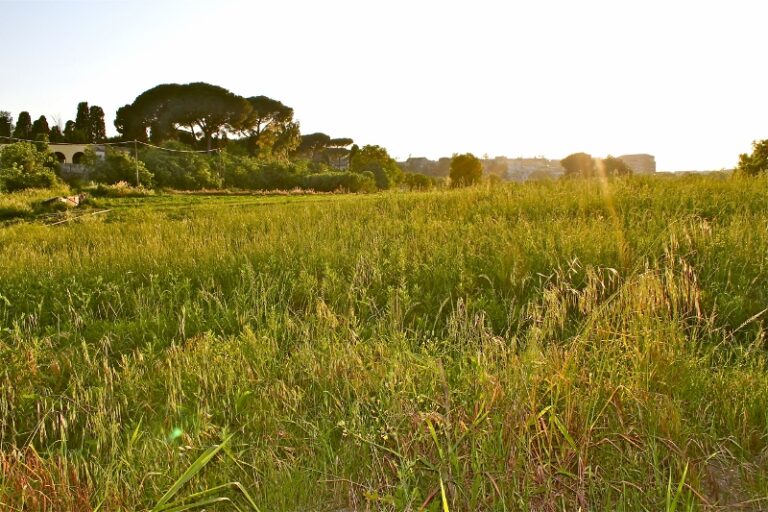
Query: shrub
x: 254, y: 174
x: 117, y: 166
x: 417, y: 181
x: 25, y: 165
x: 340, y: 180
x: 181, y: 171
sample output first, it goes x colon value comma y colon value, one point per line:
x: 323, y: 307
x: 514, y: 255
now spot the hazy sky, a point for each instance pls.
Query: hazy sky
x: 684, y: 80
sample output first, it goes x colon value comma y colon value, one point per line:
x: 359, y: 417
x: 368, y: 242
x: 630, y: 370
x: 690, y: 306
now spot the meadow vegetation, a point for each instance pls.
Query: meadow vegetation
x: 568, y: 345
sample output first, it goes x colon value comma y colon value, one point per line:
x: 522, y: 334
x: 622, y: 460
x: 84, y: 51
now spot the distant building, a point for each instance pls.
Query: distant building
x: 521, y: 169
x: 641, y: 163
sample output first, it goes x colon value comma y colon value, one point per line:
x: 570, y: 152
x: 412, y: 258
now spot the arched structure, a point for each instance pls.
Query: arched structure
x: 72, y: 153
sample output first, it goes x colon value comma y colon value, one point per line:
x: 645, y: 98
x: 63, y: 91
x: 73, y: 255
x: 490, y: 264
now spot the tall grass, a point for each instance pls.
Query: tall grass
x: 547, y: 346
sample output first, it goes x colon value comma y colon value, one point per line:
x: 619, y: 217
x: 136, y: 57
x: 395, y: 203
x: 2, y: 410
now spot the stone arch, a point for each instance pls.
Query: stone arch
x: 77, y: 157
x: 60, y: 157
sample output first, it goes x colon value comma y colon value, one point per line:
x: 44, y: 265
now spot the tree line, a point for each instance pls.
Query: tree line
x: 87, y: 128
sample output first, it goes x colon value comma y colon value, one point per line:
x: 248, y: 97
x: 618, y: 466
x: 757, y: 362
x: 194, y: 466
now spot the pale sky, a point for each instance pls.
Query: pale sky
x: 686, y: 81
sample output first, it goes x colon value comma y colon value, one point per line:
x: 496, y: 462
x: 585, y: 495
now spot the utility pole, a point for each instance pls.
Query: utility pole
x: 136, y: 157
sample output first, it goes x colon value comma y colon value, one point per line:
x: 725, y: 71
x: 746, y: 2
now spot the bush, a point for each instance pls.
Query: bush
x: 254, y: 174
x: 417, y: 181
x: 376, y: 160
x: 182, y: 171
x: 332, y: 181
x: 117, y: 166
x: 25, y: 165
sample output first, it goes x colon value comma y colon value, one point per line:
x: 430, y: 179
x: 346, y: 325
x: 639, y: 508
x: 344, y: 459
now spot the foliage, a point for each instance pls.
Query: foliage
x: 272, y: 133
x: 376, y: 160
x: 25, y: 165
x: 611, y: 166
x: 199, y: 108
x: 180, y: 170
x: 23, y: 128
x: 117, y: 166
x: 97, y: 131
x: 56, y: 135
x: 6, y: 123
x: 83, y: 120
x: 40, y: 129
x: 756, y: 162
x: 339, y: 180
x: 256, y: 174
x: 578, y: 164
x: 466, y: 169
x: 418, y: 181
x: 313, y: 144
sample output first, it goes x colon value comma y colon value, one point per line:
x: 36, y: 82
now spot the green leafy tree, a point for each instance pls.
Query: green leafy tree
x: 611, y: 166
x: 418, y: 181
x: 82, y: 118
x: 40, y: 129
x: 752, y: 164
x: 578, y: 164
x: 312, y: 145
x: 56, y: 135
x: 26, y: 165
x: 466, y: 169
x: 23, y: 128
x: 6, y: 123
x: 270, y: 128
x: 69, y: 132
x: 320, y: 147
x: 376, y: 160
x: 199, y: 109
x: 97, y: 130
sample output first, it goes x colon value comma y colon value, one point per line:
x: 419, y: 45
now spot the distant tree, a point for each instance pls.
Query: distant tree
x: 56, y: 135
x: 82, y: 119
x: 270, y: 128
x: 6, y: 123
x: 129, y: 125
x: 40, y: 128
x: 611, y: 166
x: 578, y: 164
x: 69, y: 132
x: 320, y: 147
x: 756, y: 162
x: 97, y: 131
x: 418, y: 181
x: 23, y: 128
x: 314, y: 144
x: 376, y: 160
x: 466, y: 169
x: 286, y: 141
x: 199, y: 109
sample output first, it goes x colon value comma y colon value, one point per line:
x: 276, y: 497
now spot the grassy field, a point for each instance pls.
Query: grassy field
x: 544, y: 346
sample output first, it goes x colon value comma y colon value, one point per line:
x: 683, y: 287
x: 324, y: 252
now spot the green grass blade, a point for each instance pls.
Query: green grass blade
x: 191, y: 471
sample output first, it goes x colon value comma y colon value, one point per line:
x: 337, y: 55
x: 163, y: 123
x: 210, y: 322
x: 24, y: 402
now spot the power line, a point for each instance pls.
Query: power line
x: 127, y: 143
